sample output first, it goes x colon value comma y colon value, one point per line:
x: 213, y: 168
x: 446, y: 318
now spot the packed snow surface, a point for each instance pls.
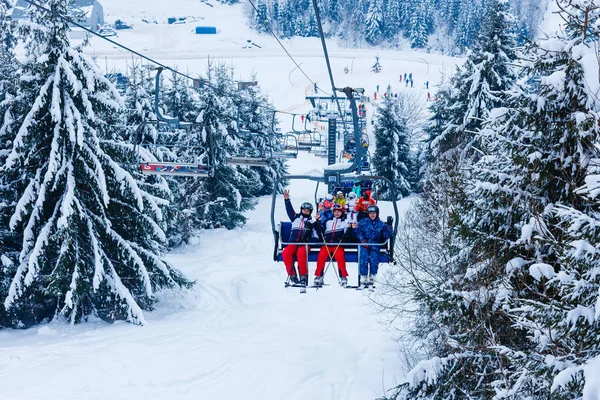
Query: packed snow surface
x: 239, y: 334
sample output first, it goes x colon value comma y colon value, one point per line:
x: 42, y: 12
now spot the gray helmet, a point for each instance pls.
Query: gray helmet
x: 374, y: 209
x: 306, y: 205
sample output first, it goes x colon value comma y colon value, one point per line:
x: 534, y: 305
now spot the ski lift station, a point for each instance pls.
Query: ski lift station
x: 88, y: 13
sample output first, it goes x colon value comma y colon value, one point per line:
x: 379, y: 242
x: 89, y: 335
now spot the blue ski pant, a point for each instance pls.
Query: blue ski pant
x: 368, y: 255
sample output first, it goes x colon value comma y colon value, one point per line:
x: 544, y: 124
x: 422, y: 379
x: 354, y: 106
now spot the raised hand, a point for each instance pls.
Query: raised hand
x: 286, y: 194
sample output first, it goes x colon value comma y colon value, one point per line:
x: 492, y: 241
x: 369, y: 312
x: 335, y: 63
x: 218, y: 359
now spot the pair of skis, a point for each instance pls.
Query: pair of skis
x: 304, y: 287
x: 368, y: 286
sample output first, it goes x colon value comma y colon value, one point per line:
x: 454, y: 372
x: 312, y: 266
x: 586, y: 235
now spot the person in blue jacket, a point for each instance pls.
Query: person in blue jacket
x: 371, y: 230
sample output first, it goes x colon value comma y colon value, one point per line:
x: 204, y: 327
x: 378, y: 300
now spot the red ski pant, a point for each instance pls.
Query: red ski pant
x: 325, y: 255
x: 288, y: 259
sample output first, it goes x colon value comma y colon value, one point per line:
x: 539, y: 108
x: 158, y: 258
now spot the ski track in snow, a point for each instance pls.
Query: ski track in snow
x: 239, y: 334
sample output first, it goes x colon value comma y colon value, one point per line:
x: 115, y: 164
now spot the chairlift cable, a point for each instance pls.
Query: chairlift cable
x: 268, y: 26
x: 70, y: 21
x: 322, y: 35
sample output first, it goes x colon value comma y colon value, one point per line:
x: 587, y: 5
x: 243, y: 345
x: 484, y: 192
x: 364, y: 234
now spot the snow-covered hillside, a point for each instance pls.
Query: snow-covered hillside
x: 239, y: 334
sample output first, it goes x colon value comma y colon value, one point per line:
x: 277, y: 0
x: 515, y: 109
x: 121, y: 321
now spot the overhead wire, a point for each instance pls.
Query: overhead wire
x: 322, y: 35
x: 217, y: 90
x: 268, y: 26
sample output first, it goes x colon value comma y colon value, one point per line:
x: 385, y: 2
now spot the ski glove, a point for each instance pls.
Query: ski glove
x: 390, y: 220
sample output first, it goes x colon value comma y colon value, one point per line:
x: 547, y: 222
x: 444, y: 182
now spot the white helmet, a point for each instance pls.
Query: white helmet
x: 329, y: 197
x: 351, y: 195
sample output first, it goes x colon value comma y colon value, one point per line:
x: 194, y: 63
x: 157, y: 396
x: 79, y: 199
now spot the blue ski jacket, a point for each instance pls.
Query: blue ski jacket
x: 375, y: 231
x: 303, y: 229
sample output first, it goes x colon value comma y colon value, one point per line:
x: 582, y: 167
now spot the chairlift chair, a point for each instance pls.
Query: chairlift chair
x: 336, y: 177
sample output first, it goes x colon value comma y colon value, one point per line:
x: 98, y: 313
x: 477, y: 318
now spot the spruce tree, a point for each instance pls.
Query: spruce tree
x: 10, y: 103
x: 179, y: 99
x: 90, y: 235
x: 374, y: 23
x: 262, y: 17
x: 464, y: 300
x: 548, y: 138
x: 392, y: 158
x: 216, y: 201
x: 418, y: 31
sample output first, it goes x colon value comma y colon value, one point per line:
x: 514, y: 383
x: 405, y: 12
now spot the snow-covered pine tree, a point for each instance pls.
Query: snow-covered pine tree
x: 275, y: 9
x: 543, y: 181
x: 478, y: 85
x: 90, y: 235
x: 255, y: 116
x: 335, y: 13
x: 374, y: 23
x: 392, y: 15
x: 377, y: 66
x: 179, y: 99
x: 262, y: 17
x: 288, y: 19
x: 9, y: 109
x: 418, y: 30
x: 216, y: 201
x: 464, y: 301
x: 469, y: 24
x: 392, y: 158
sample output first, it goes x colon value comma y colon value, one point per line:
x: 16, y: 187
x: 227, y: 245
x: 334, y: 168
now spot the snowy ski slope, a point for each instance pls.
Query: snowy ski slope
x: 239, y: 334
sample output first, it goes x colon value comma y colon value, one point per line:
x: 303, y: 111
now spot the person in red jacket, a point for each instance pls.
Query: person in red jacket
x: 363, y: 204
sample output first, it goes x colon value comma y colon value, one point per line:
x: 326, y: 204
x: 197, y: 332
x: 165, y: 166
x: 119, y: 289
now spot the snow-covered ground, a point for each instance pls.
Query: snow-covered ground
x: 239, y: 334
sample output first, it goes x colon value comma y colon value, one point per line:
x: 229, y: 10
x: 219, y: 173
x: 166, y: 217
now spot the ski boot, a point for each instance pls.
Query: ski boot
x: 304, y: 280
x: 318, y: 281
x: 344, y: 281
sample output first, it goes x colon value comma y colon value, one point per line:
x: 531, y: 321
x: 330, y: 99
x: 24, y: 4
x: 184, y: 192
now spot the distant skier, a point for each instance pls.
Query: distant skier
x: 371, y: 230
x: 410, y: 76
x: 303, y: 231
x: 428, y: 96
x: 346, y: 70
x: 316, y: 88
x: 302, y: 118
x: 375, y: 96
x: 377, y: 88
x: 400, y: 78
x: 405, y: 76
x: 334, y: 232
x: 426, y: 84
x: 411, y: 82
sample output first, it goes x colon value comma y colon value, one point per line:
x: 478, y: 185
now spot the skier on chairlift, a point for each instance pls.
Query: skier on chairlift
x: 371, y: 230
x: 325, y: 208
x: 303, y: 231
x: 334, y: 232
x: 363, y: 204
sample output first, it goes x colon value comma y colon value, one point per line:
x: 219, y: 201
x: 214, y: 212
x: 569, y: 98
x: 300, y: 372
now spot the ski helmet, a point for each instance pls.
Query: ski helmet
x: 351, y: 195
x: 339, y: 207
x: 306, y: 205
x: 329, y: 197
x: 374, y: 209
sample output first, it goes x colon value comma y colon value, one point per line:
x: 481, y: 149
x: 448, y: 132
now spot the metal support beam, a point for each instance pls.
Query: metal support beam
x: 250, y: 161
